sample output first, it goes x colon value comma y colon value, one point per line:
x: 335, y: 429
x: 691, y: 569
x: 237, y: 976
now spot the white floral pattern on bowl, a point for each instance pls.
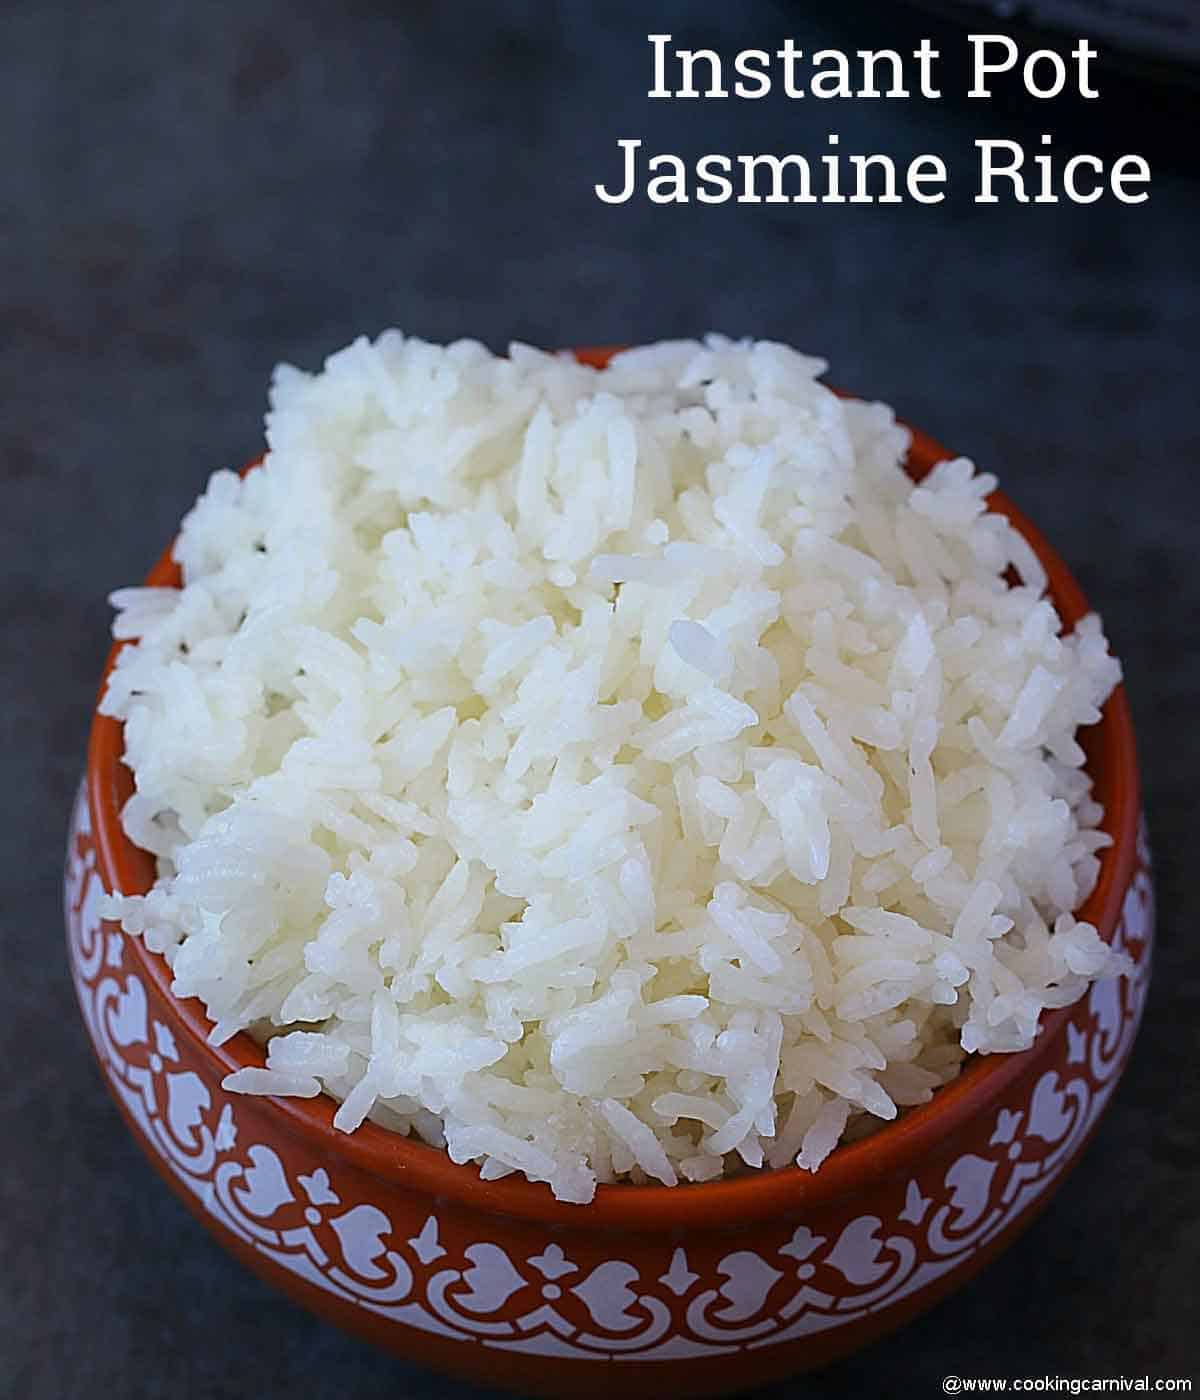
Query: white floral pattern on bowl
x: 542, y: 1300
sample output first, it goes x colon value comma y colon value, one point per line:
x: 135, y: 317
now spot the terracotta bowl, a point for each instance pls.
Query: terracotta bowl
x: 691, y: 1290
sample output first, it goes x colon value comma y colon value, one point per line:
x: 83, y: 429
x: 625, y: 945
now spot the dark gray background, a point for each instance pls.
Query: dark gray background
x: 191, y: 192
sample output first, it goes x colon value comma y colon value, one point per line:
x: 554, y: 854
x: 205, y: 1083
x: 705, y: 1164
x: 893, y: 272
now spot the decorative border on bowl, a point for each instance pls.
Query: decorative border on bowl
x: 544, y: 1302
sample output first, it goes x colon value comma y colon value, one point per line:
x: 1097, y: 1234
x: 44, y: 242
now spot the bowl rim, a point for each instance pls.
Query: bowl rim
x: 898, y: 1147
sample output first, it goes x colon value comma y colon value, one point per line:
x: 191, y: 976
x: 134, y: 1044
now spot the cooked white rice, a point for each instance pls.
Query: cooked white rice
x: 608, y: 774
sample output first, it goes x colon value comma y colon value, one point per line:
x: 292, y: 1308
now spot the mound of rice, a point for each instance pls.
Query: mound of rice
x: 608, y: 774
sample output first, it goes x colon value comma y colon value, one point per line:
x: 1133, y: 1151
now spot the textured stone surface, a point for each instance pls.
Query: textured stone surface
x: 191, y: 192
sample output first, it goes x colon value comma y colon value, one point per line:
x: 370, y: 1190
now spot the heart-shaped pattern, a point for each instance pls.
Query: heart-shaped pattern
x: 748, y: 1280
x: 608, y: 1295
x: 127, y: 1023
x: 187, y: 1102
x: 264, y: 1183
x: 361, y: 1232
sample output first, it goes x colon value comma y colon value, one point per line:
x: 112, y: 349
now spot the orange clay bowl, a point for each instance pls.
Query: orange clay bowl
x: 686, y: 1290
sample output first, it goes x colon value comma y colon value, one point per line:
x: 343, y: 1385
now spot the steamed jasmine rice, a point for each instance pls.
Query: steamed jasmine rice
x: 603, y: 775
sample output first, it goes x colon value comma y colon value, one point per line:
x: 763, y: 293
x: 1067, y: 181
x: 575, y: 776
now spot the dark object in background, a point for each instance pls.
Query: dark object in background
x: 1158, y: 38
x: 1147, y: 67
